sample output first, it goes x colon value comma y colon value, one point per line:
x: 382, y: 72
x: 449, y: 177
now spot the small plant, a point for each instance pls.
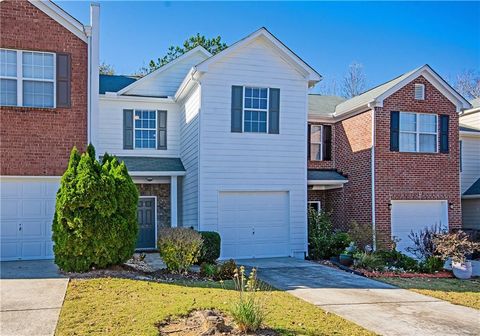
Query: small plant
x: 210, y: 251
x: 179, y: 248
x: 209, y: 270
x: 247, y: 311
x: 361, y: 234
x: 397, y: 261
x: 431, y: 265
x: 226, y: 270
x: 423, y: 244
x: 369, y: 261
x: 456, y: 246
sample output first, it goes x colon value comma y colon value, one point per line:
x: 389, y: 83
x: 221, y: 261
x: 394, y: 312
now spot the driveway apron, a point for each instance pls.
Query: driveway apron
x: 379, y: 307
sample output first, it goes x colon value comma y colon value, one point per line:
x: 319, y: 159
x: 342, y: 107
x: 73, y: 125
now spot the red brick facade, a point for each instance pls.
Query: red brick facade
x: 398, y: 175
x: 38, y: 141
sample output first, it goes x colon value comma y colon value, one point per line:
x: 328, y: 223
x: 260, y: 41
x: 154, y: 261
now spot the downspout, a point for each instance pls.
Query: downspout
x: 93, y: 71
x: 88, y: 32
x: 372, y: 105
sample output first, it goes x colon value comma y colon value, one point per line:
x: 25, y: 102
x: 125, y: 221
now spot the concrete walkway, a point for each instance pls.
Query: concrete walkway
x: 379, y: 307
x: 32, y: 294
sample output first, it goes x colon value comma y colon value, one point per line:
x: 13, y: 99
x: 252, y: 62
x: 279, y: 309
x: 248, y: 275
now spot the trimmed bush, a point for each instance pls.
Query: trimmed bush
x: 95, y: 221
x: 210, y: 251
x: 179, y: 248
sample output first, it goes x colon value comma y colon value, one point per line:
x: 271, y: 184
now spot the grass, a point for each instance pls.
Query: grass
x: 460, y: 292
x: 131, y: 307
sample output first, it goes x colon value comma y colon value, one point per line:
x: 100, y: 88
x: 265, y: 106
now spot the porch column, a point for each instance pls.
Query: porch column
x: 173, y: 201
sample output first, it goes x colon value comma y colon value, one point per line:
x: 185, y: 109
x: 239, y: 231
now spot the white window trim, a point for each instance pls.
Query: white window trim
x: 316, y: 143
x: 315, y: 202
x: 255, y: 109
x: 19, y: 78
x: 422, y: 86
x: 145, y: 129
x: 418, y: 133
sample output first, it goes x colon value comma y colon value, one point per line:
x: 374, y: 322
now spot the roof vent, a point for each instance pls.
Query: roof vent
x: 419, y: 92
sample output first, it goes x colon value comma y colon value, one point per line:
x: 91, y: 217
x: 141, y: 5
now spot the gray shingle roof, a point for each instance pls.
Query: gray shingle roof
x: 114, y: 83
x: 474, y: 189
x: 320, y: 175
x: 151, y: 164
x: 322, y: 106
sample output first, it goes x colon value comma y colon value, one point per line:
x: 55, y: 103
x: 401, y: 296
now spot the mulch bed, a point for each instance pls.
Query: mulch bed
x: 205, y: 322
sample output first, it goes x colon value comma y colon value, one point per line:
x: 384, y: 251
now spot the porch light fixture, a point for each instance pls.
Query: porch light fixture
x: 450, y: 205
x: 149, y: 179
x: 389, y: 206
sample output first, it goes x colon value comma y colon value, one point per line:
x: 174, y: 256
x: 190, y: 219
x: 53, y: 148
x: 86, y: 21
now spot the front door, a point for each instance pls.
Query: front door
x: 146, y: 223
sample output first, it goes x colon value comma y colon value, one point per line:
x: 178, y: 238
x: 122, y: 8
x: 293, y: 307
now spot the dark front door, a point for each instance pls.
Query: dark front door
x: 146, y: 223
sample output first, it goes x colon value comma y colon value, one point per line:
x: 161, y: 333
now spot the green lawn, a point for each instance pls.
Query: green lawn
x: 461, y: 292
x: 131, y: 307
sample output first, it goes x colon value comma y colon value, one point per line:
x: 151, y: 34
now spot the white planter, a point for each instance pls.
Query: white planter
x: 448, y: 264
x: 475, y: 268
x: 462, y: 270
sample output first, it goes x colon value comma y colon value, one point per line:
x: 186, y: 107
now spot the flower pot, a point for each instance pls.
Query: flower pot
x: 462, y: 270
x: 346, y: 259
x: 448, y: 264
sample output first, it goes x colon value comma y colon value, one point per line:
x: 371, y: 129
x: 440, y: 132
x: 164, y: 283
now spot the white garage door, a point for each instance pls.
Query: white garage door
x: 27, y: 209
x: 416, y: 215
x: 254, y: 224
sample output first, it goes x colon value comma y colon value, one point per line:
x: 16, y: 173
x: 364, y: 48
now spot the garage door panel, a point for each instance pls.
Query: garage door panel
x: 33, y: 229
x: 10, y: 208
x: 10, y: 250
x: 9, y: 229
x: 33, y: 208
x: 253, y: 224
x: 33, y: 249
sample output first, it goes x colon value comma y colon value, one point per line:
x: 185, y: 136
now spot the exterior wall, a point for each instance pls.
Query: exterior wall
x: 248, y: 161
x: 322, y: 164
x: 415, y: 176
x: 162, y: 192
x: 167, y: 82
x: 38, y: 141
x: 352, y: 148
x: 471, y: 119
x: 470, y: 162
x: 110, y: 127
x: 471, y: 214
x: 189, y: 153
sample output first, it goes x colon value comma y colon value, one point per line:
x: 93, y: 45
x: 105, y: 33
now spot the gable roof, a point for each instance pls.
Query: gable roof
x: 198, y: 49
x: 474, y: 189
x: 310, y: 73
x: 376, y: 95
x: 322, y: 106
x: 62, y: 17
x: 114, y: 83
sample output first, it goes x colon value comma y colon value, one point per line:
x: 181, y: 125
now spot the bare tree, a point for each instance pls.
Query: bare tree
x: 468, y: 84
x: 329, y: 87
x: 354, y: 81
x: 106, y: 69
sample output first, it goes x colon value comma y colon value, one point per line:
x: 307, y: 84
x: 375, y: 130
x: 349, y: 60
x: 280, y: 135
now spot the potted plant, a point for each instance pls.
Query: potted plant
x: 457, y: 247
x: 346, y: 257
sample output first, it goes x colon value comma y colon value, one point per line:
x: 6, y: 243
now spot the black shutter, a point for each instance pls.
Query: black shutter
x: 162, y: 130
x: 63, y: 80
x: 127, y: 129
x: 237, y: 109
x: 274, y: 111
x: 327, y: 142
x: 394, y: 131
x: 444, y: 120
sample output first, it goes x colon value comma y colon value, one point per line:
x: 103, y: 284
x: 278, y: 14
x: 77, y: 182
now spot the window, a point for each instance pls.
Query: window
x: 419, y: 92
x: 145, y: 129
x: 316, y: 143
x: 418, y: 132
x: 27, y: 78
x: 315, y: 205
x: 255, y: 110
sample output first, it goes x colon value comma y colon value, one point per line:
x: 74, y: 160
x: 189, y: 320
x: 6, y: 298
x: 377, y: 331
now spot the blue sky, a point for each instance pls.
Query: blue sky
x: 388, y: 38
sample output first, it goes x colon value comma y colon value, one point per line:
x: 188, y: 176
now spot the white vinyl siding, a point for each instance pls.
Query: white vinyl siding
x: 27, y: 78
x: 418, y: 132
x: 254, y: 162
x: 110, y: 128
x: 470, y: 161
x: 189, y: 153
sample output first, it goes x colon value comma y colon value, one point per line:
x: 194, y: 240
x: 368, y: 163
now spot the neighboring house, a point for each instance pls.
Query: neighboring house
x: 470, y: 166
x: 44, y: 73
x: 217, y: 143
x: 389, y: 156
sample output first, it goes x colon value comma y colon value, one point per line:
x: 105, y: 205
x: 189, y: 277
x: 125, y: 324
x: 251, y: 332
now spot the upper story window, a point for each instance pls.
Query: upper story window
x: 418, y: 132
x: 419, y: 92
x: 320, y: 147
x: 145, y: 129
x: 255, y: 111
x: 27, y: 78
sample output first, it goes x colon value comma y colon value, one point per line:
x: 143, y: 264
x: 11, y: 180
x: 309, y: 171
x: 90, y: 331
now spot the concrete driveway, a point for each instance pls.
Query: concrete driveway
x: 379, y: 307
x: 32, y: 295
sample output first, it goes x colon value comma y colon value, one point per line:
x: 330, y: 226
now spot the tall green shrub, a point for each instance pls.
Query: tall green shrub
x: 210, y: 251
x: 95, y: 222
